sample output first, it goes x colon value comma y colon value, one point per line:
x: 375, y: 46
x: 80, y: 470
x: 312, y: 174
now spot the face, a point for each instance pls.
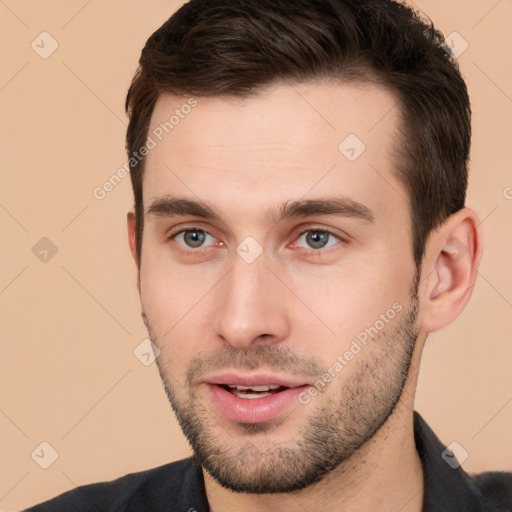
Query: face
x: 277, y: 277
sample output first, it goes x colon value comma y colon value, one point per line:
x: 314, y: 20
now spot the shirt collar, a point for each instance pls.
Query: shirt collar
x: 446, y: 488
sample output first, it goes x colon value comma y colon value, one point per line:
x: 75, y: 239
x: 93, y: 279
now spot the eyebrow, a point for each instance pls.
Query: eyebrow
x: 171, y: 206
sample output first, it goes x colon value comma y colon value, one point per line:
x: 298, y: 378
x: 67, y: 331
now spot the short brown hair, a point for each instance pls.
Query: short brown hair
x: 237, y: 48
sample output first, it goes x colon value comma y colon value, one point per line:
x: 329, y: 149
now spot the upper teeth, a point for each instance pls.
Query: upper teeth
x: 254, y: 388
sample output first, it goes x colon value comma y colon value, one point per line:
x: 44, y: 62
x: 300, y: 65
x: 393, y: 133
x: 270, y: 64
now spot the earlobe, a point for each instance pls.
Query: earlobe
x: 454, y: 253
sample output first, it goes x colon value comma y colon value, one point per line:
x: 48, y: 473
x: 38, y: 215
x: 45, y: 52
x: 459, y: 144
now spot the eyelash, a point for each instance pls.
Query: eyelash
x: 309, y: 252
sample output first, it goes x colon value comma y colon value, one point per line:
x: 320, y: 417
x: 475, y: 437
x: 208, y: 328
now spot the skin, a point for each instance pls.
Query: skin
x: 297, y: 307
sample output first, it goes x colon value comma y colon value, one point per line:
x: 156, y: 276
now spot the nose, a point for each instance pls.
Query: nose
x: 252, y: 305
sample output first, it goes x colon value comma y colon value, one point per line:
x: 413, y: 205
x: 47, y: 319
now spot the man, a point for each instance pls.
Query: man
x: 299, y: 171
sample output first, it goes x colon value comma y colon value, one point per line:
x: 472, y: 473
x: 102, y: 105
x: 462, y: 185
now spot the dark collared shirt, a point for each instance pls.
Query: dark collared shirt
x: 179, y: 486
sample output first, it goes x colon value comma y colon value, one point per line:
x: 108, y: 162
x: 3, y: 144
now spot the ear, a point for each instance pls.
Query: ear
x: 450, y: 268
x: 132, y: 229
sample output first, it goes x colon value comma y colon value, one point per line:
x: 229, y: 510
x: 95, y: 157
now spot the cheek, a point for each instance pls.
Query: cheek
x: 347, y: 301
x: 168, y: 292
x: 176, y: 305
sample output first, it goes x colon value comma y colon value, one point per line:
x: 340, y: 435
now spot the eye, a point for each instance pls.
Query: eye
x: 318, y: 239
x: 192, y: 238
x: 315, y: 239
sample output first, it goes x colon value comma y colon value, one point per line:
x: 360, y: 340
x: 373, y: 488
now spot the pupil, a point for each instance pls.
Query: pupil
x: 317, y: 239
x: 194, y: 238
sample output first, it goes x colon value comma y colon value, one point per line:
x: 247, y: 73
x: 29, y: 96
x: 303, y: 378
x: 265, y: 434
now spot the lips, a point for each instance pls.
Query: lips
x: 253, y: 398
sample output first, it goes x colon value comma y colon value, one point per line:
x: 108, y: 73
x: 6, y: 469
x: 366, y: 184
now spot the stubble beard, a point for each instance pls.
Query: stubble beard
x: 334, y: 431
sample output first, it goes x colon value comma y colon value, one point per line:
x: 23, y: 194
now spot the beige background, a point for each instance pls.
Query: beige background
x: 69, y: 325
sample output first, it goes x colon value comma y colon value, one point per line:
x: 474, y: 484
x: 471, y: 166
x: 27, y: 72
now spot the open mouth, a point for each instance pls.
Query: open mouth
x: 252, y: 392
x: 253, y: 399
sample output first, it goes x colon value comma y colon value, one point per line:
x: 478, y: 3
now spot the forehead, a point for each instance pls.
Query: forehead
x: 289, y: 142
